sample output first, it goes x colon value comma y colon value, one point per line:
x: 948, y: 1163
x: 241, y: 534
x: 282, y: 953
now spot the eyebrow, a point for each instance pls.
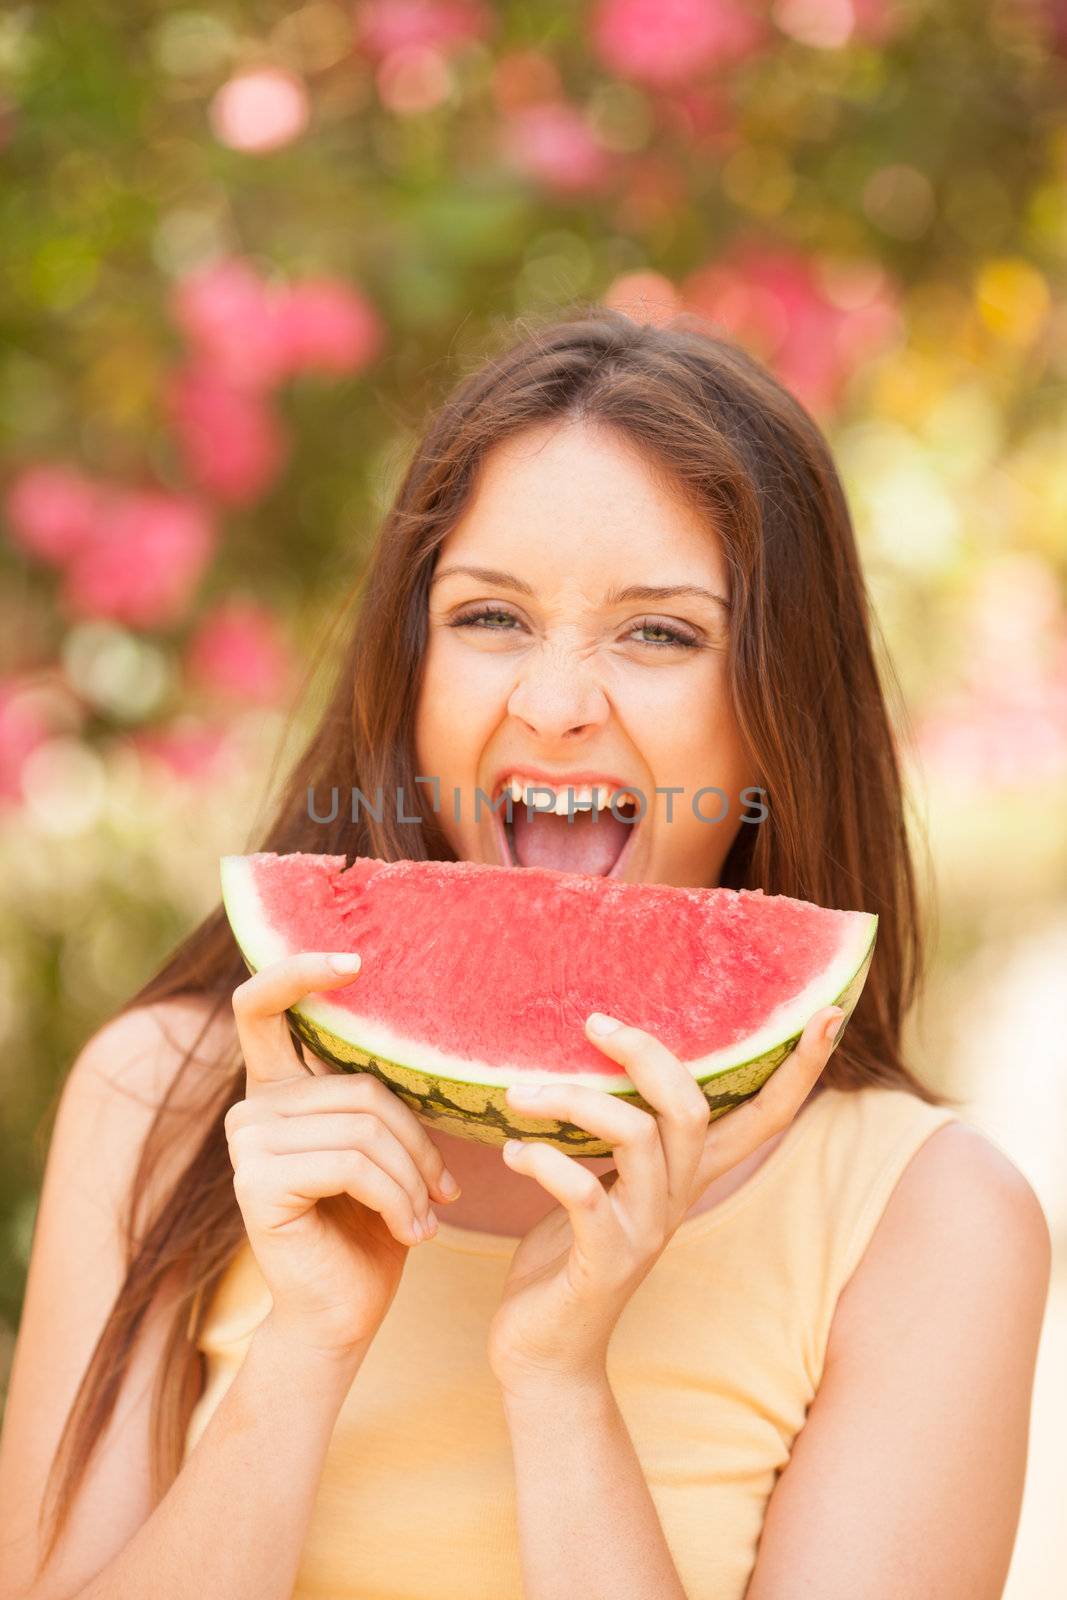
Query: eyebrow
x: 614, y: 597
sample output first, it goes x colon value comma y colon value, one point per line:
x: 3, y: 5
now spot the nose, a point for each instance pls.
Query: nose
x: 558, y: 697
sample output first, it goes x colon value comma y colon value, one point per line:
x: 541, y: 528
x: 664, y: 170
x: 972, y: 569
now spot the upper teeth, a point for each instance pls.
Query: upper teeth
x: 581, y: 797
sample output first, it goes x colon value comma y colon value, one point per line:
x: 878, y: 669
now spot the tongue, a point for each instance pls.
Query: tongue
x: 578, y: 844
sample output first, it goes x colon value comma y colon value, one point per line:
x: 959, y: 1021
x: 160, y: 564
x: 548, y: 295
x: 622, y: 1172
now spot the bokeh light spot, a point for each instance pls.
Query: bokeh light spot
x: 260, y: 111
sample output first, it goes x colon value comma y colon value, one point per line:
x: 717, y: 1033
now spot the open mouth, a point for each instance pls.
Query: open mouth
x: 590, y: 828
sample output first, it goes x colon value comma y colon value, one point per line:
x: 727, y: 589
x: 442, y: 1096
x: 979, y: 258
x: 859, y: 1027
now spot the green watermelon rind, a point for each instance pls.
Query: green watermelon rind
x: 478, y: 1110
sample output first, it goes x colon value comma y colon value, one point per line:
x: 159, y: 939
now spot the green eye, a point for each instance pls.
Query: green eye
x: 662, y: 635
x: 665, y: 635
x: 489, y: 619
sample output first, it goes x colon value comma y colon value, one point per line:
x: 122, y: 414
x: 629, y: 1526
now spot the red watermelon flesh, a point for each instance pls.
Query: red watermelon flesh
x: 486, y: 973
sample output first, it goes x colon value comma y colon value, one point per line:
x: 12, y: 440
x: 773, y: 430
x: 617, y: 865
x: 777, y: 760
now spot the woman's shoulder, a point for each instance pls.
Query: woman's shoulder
x: 896, y: 1179
x: 958, y: 1216
x: 141, y: 1050
x: 945, y: 1162
x: 923, y: 1389
x: 165, y: 1059
x: 969, y: 1193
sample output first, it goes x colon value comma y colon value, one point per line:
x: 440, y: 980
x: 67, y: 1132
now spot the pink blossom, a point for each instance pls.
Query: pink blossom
x: 554, y: 144
x: 663, y: 42
x: 771, y: 301
x: 143, y: 562
x: 326, y: 326
x: 192, y: 750
x: 230, y: 317
x: 239, y: 652
x: 233, y: 445
x: 878, y: 21
x: 131, y: 555
x: 53, y: 511
x: 383, y: 26
x: 248, y: 334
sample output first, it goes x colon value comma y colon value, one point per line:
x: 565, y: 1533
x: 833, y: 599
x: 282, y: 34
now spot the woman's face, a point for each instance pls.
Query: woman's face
x: 577, y: 640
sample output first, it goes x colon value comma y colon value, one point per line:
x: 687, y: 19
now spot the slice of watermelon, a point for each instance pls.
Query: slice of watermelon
x: 478, y: 976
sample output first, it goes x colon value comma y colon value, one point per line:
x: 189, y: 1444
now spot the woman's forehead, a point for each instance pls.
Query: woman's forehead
x: 581, y: 498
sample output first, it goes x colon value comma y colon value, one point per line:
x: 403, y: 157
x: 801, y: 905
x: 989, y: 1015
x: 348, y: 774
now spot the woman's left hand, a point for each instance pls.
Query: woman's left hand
x: 573, y: 1273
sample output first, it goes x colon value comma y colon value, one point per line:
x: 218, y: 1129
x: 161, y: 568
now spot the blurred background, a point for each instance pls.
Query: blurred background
x: 249, y: 246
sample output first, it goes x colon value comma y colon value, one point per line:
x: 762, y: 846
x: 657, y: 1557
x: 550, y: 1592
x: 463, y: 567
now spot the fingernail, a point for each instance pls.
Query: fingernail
x: 597, y: 1022
x: 418, y: 1230
x: 430, y: 1224
x: 448, y: 1185
x: 833, y: 1026
x: 344, y: 963
x: 511, y: 1145
x: 524, y: 1091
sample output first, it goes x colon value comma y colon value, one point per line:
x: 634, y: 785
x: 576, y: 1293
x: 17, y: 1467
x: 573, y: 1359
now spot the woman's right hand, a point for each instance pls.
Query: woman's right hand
x: 333, y: 1172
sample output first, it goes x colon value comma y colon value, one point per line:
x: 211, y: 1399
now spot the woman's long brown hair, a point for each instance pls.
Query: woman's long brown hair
x: 806, y: 692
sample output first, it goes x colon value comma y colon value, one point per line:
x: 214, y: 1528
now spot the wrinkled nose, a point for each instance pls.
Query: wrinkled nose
x: 558, y: 696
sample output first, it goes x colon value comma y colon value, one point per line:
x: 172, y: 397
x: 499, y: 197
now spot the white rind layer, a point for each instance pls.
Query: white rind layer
x: 261, y: 944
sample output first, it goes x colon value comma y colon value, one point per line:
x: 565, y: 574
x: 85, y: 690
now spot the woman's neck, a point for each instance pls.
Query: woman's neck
x: 496, y: 1200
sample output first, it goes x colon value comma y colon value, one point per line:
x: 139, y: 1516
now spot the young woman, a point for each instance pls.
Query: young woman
x: 787, y: 1353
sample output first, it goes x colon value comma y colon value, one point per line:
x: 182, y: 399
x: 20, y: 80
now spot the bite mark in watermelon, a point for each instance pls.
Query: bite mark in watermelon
x: 474, y: 977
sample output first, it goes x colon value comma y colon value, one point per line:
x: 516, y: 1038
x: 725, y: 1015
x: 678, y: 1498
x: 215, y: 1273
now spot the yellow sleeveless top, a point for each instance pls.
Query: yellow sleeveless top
x: 714, y: 1363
